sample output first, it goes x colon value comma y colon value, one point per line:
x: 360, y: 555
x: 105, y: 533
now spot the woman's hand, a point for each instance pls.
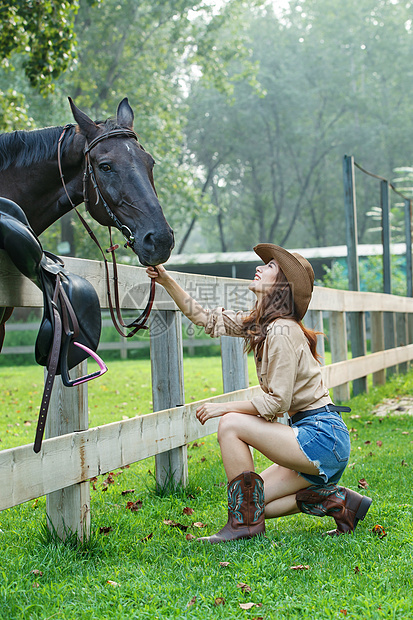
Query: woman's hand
x: 158, y: 273
x: 211, y: 410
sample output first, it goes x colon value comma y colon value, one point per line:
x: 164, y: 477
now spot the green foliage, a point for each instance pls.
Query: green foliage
x: 13, y: 111
x: 370, y: 273
x: 272, y: 163
x: 144, y: 568
x: 43, y: 32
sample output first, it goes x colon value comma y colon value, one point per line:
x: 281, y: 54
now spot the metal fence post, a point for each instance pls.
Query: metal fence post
x: 357, y: 325
x: 388, y: 317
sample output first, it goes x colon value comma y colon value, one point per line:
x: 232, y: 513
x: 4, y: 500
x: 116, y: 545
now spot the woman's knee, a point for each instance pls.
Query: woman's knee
x: 228, y: 424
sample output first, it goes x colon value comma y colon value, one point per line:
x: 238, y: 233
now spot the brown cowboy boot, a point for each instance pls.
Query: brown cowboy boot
x: 345, y: 506
x: 245, y: 509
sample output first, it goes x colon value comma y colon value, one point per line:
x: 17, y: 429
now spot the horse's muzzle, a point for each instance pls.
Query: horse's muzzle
x: 154, y: 248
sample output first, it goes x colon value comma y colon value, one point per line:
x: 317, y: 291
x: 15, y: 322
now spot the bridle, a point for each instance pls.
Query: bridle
x: 89, y: 172
x: 117, y: 320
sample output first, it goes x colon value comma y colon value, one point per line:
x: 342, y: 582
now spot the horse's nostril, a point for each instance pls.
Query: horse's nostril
x: 149, y: 241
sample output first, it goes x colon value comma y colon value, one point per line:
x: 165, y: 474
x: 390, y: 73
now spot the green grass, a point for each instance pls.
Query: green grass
x: 357, y: 577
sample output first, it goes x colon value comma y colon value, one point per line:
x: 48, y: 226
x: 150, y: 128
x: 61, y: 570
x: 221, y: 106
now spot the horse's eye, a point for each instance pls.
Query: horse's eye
x: 105, y: 167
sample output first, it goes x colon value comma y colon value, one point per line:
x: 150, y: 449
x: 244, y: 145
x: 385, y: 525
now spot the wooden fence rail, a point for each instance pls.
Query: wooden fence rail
x: 72, y: 453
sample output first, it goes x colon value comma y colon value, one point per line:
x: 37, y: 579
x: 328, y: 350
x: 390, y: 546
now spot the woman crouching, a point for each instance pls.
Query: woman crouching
x: 310, y: 454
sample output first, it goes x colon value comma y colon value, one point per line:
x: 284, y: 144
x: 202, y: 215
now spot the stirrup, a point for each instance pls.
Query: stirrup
x: 67, y: 381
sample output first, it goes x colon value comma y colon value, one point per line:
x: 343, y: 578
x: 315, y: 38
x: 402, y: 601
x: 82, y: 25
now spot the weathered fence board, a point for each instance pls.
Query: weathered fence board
x: 15, y: 290
x: 73, y: 458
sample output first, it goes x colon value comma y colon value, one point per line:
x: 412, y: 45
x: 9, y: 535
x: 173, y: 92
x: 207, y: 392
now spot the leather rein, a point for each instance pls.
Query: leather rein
x: 114, y: 309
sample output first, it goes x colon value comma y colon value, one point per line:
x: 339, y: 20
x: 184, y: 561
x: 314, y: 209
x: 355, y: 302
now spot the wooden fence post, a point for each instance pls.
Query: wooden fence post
x: 377, y: 343
x: 357, y: 325
x: 402, y: 336
x: 168, y: 390
x: 68, y: 510
x: 314, y: 320
x: 339, y: 353
x: 234, y: 364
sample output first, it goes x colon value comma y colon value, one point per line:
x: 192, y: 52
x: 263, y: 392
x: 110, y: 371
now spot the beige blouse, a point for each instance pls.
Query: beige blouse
x: 289, y: 376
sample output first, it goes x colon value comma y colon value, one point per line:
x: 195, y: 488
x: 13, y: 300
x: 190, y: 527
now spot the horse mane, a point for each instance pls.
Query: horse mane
x: 25, y: 148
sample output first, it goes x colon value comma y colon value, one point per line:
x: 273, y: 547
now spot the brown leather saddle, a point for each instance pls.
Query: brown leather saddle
x: 71, y: 324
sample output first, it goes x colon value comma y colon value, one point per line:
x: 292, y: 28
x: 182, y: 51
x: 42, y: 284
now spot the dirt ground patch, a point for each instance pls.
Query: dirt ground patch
x: 394, y: 406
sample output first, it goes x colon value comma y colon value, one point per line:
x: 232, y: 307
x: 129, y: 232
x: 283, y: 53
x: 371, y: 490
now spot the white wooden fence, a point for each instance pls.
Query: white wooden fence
x: 72, y: 453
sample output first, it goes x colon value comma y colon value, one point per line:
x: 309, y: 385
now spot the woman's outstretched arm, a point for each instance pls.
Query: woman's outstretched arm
x: 191, y: 308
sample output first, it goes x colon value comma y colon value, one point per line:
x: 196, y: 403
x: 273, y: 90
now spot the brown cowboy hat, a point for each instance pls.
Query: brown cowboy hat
x: 296, y: 269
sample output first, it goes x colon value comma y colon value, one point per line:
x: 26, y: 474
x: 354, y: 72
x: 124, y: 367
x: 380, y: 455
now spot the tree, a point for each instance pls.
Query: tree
x: 333, y: 78
x: 38, y: 33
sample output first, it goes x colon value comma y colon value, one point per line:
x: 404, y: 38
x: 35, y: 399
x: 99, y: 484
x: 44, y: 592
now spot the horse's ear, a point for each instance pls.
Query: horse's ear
x: 125, y: 116
x: 87, y: 126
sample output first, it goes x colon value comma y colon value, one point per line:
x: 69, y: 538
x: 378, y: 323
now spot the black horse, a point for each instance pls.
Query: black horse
x: 102, y: 164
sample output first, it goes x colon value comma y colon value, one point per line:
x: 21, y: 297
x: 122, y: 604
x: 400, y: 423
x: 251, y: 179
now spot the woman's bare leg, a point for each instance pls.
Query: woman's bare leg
x: 280, y: 487
x: 238, y: 431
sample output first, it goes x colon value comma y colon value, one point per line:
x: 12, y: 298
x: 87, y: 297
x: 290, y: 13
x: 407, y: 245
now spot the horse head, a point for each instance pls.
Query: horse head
x: 120, y: 173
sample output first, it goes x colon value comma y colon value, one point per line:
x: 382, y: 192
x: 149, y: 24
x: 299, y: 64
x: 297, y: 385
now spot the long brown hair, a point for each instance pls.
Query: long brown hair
x: 277, y: 303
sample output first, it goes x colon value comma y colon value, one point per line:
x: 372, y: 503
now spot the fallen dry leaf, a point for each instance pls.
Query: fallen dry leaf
x: 188, y: 511
x: 219, y: 601
x: 367, y: 442
x: 404, y: 464
x: 190, y: 537
x: 244, y: 587
x: 363, y: 484
x: 105, y: 529
x: 172, y: 523
x: 128, y: 491
x: 379, y: 443
x: 134, y: 506
x: 199, y: 524
x: 192, y: 601
x: 379, y: 530
x: 300, y: 567
x: 224, y: 564
x: 36, y: 585
x: 357, y: 570
x: 344, y: 611
x: 109, y: 479
x: 147, y: 537
x: 249, y: 605
x: 115, y: 584
x: 36, y: 571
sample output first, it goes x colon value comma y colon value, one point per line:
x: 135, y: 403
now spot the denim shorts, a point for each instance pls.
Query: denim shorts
x: 325, y: 440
